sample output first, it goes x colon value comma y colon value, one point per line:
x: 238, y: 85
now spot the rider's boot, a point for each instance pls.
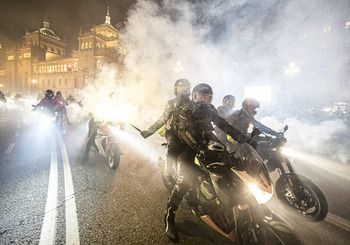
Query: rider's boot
x: 170, y: 227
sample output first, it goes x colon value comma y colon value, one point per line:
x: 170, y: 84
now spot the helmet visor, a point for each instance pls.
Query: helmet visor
x: 203, y: 98
x: 182, y: 88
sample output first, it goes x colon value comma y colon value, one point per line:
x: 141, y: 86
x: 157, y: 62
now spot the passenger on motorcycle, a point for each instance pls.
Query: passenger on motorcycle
x: 228, y: 104
x: 241, y: 119
x: 182, y: 95
x: 225, y: 111
x: 194, y: 131
x: 64, y: 104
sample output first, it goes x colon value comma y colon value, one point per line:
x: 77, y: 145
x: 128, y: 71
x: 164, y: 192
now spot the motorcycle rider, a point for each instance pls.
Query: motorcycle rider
x: 194, y: 131
x: 225, y: 111
x: 64, y: 104
x: 228, y: 104
x: 241, y: 119
x: 182, y: 93
x: 51, y: 103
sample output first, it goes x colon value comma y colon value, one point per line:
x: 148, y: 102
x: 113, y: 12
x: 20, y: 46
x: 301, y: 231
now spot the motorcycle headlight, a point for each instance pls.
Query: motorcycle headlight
x: 288, y: 152
x: 261, y: 196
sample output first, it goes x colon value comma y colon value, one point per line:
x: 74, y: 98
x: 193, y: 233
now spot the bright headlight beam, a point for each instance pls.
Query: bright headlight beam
x: 261, y: 197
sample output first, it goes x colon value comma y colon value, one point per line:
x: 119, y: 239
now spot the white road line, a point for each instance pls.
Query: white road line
x: 17, y: 134
x: 338, y: 221
x: 72, y: 229
x: 48, y: 230
x: 10, y: 148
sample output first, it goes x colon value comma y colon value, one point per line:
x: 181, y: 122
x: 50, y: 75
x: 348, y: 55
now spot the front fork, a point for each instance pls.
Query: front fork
x: 287, y: 179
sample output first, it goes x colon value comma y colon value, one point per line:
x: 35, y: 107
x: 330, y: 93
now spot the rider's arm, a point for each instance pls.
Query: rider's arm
x: 228, y: 129
x: 263, y: 128
x: 168, y: 111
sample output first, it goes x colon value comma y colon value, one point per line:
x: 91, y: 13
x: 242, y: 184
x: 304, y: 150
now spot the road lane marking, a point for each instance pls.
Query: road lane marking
x: 338, y: 221
x: 48, y: 230
x: 17, y: 134
x: 10, y: 148
x: 72, y: 229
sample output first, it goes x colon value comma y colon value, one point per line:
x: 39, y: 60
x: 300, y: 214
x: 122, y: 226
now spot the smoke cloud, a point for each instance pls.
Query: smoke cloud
x: 228, y: 44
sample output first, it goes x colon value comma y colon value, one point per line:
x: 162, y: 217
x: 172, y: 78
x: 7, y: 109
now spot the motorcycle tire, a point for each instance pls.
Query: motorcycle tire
x: 113, y: 156
x: 252, y: 234
x: 312, y: 205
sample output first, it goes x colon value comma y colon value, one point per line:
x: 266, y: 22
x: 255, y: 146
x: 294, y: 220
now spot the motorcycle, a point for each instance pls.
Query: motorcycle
x: 107, y: 142
x: 229, y: 193
x: 48, y: 119
x: 295, y: 190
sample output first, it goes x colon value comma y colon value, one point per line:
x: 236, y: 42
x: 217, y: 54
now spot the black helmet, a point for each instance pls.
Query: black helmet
x: 250, y: 104
x: 184, y: 86
x: 49, y: 94
x: 58, y: 93
x: 202, y: 94
x: 229, y: 101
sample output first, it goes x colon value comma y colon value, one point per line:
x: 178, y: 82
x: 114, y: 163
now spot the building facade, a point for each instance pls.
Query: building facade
x: 41, y: 62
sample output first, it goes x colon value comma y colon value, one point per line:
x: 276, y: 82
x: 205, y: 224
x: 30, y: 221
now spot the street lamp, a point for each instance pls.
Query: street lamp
x: 178, y: 67
x: 291, y: 69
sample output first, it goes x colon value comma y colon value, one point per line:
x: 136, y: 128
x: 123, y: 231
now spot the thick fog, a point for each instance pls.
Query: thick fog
x: 227, y: 44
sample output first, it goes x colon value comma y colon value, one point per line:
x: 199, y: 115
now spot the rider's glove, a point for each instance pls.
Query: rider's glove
x: 146, y: 133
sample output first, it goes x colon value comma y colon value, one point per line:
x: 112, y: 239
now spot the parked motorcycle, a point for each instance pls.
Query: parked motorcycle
x: 229, y: 194
x: 293, y: 189
x: 107, y: 141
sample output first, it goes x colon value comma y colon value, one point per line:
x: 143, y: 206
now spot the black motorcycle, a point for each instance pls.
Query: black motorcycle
x: 229, y: 194
x: 293, y: 189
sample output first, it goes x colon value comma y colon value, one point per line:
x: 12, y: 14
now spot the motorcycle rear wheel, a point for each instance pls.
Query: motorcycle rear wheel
x: 310, y: 202
x: 113, y: 156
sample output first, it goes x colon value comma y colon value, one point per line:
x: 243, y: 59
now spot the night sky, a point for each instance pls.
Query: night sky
x: 65, y: 16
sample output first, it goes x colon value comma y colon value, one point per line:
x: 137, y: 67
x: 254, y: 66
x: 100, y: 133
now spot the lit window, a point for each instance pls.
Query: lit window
x: 76, y: 66
x: 90, y: 45
x: 347, y: 25
x: 82, y: 46
x: 327, y: 29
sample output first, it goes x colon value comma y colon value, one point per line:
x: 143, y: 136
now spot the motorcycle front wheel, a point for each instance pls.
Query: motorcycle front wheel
x: 113, y: 156
x: 308, y: 199
x: 250, y: 233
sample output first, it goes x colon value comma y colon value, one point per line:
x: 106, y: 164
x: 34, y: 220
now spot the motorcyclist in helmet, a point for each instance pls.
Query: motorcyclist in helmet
x: 64, y: 104
x: 228, y: 104
x: 241, y: 119
x: 50, y: 102
x: 182, y: 93
x: 225, y: 111
x: 194, y: 131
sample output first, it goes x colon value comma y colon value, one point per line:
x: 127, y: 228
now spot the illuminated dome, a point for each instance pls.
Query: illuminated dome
x: 49, y: 33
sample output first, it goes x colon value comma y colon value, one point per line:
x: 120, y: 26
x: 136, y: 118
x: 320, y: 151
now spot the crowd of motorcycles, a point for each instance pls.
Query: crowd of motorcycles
x: 234, y: 185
